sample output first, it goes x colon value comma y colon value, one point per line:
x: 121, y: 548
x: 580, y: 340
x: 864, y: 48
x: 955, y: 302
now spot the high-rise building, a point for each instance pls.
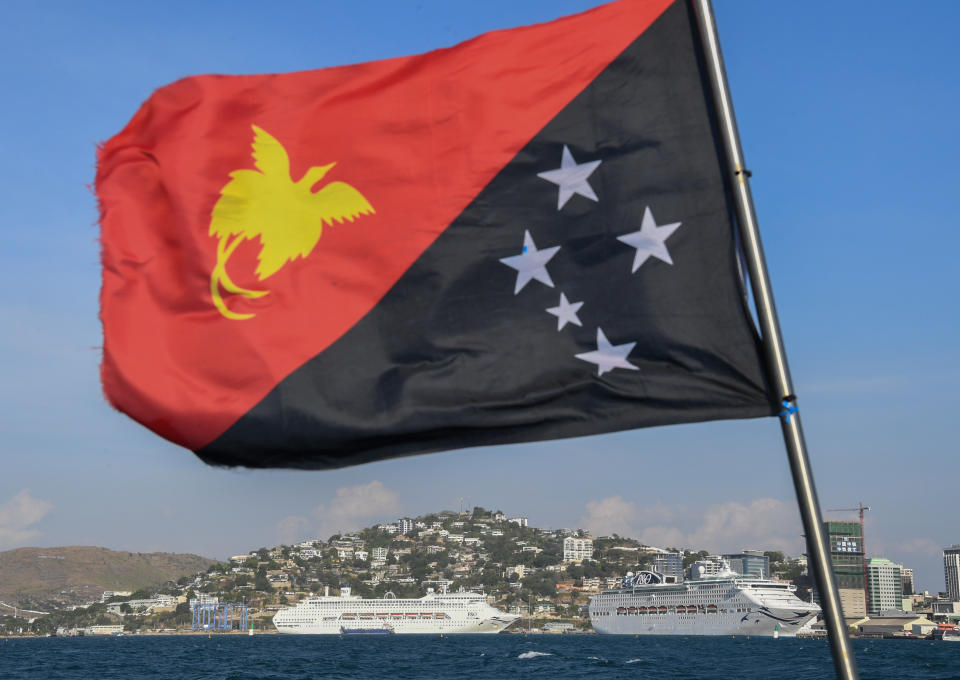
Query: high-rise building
x: 847, y: 558
x: 405, y: 525
x: 709, y: 566
x: 670, y: 564
x: 885, y: 587
x: 906, y: 580
x: 951, y: 572
x: 577, y: 549
x: 750, y: 563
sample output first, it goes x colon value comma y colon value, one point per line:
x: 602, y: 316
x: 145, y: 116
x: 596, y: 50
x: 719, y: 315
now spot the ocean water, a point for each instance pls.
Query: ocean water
x: 462, y: 657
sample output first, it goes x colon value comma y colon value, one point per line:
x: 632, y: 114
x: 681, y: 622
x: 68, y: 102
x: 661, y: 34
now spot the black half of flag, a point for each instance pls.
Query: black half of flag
x: 592, y: 286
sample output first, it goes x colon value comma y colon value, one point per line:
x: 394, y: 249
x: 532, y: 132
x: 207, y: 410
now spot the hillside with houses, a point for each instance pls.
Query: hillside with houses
x: 542, y: 574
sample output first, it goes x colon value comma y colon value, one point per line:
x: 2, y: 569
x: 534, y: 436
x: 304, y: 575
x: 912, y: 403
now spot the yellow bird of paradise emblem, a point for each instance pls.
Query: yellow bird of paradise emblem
x: 287, y: 216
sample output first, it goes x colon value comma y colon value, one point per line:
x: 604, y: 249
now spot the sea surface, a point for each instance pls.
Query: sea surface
x: 462, y: 657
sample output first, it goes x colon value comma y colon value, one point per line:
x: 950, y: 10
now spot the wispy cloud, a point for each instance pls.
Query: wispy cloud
x: 920, y: 546
x: 609, y: 516
x: 614, y: 515
x: 764, y: 523
x: 18, y: 515
x: 293, y: 529
x: 351, y: 508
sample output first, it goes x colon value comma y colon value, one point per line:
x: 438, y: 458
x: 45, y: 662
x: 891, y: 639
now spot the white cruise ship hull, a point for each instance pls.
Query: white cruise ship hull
x: 722, y: 606
x: 442, y: 613
x: 411, y: 627
x: 762, y: 624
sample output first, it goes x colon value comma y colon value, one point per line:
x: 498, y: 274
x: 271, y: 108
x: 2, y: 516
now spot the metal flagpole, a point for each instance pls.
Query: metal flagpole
x: 774, y: 354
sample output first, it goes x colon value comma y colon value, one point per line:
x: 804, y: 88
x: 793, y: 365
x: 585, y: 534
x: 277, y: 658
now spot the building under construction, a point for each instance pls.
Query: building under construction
x: 847, y: 556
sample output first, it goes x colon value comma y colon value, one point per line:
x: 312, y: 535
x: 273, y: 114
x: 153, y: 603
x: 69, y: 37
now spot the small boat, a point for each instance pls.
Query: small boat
x: 379, y: 630
x: 951, y: 635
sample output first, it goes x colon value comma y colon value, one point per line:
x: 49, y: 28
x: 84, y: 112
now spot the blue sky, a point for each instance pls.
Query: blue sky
x: 848, y: 118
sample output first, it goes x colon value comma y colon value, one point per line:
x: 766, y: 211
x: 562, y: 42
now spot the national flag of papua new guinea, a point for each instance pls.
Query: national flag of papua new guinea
x: 525, y: 236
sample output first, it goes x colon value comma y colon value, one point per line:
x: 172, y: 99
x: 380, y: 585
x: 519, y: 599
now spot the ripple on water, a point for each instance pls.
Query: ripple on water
x: 400, y: 657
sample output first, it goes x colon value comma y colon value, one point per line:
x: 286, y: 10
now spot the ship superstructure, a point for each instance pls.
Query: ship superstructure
x: 443, y: 612
x: 648, y: 603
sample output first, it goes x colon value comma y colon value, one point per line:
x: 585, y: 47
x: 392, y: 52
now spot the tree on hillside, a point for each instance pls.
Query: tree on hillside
x: 792, y: 571
x: 692, y: 557
x: 182, y: 614
x: 775, y: 557
x: 260, y: 582
x: 541, y: 583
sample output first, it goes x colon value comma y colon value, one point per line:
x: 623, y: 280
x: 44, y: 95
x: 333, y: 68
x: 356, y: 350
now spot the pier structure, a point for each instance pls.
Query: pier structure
x: 219, y: 616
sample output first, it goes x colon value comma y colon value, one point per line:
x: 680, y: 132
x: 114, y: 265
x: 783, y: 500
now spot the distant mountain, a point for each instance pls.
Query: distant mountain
x: 77, y: 574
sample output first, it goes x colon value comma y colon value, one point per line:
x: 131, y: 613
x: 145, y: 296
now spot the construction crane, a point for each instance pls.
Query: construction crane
x: 861, y: 508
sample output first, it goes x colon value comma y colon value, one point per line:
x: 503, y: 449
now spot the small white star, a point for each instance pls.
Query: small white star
x: 566, y: 312
x: 608, y: 357
x: 530, y: 263
x: 571, y: 177
x: 650, y: 240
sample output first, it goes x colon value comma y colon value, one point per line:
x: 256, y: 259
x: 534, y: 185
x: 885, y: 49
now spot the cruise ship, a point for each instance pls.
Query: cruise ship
x: 443, y: 612
x: 649, y: 603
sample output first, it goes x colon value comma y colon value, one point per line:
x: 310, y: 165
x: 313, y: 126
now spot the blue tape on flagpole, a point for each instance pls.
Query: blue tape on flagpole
x: 788, y: 410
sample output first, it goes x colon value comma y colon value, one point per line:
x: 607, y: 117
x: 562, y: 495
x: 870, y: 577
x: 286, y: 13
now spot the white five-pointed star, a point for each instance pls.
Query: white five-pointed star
x: 650, y: 240
x: 571, y: 177
x: 530, y: 263
x: 566, y: 312
x: 608, y: 357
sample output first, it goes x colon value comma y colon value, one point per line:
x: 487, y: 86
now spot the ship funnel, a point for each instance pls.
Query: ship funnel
x: 344, y: 591
x: 326, y: 591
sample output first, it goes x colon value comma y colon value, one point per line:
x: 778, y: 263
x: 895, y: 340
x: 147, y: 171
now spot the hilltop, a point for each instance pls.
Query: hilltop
x: 45, y: 577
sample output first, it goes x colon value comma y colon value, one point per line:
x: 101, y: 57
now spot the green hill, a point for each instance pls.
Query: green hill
x: 73, y: 575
